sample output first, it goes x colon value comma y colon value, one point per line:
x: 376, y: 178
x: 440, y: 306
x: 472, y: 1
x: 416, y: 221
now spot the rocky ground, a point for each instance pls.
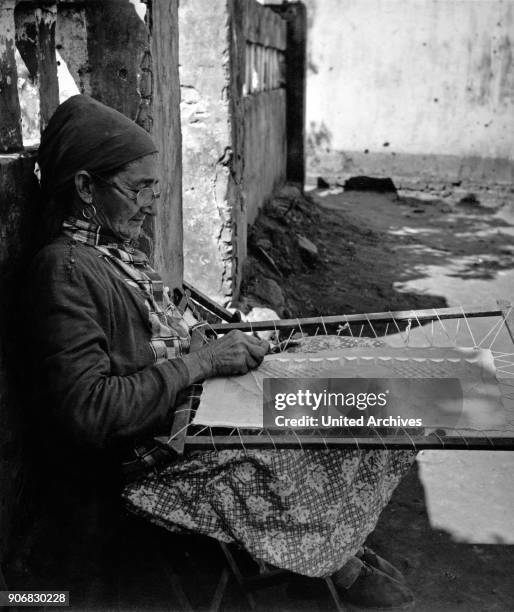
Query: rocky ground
x: 331, y: 252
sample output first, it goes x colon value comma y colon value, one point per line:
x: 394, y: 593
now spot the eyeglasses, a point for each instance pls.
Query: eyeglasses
x: 144, y: 197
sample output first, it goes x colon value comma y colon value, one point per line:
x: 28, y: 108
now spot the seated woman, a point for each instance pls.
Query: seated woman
x: 115, y: 358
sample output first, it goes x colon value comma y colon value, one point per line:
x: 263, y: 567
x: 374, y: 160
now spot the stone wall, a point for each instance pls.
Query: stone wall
x: 412, y: 89
x: 233, y: 128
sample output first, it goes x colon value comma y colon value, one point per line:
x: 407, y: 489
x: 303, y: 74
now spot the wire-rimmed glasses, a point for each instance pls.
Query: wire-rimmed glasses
x: 143, y: 197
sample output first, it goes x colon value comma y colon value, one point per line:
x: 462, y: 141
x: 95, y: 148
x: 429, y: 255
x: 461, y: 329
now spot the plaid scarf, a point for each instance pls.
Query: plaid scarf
x: 170, y: 331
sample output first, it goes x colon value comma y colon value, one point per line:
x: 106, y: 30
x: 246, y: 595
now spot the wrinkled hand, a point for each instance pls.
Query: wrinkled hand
x: 234, y: 353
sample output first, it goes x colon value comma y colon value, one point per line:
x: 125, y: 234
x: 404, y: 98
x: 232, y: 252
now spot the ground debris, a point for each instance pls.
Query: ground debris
x: 370, y: 183
x: 308, y: 249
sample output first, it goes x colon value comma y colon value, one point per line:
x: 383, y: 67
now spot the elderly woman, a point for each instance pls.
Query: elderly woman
x: 115, y: 358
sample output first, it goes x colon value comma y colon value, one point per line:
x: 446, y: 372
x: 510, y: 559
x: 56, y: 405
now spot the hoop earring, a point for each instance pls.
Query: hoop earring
x: 88, y: 214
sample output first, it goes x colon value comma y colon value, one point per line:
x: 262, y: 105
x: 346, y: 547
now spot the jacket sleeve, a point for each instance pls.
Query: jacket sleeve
x: 72, y: 353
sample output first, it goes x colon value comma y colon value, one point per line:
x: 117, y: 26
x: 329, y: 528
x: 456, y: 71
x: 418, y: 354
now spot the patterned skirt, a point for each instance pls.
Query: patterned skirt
x: 307, y: 511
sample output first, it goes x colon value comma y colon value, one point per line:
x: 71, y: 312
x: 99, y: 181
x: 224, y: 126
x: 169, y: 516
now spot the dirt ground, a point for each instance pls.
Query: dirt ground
x: 450, y: 525
x: 373, y: 246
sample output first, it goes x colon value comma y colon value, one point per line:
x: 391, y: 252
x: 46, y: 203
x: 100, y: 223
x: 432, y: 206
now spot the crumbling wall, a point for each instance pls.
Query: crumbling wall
x: 412, y: 89
x: 233, y: 134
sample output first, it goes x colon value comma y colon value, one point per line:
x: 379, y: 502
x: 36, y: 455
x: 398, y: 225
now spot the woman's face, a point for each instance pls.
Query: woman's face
x: 115, y: 200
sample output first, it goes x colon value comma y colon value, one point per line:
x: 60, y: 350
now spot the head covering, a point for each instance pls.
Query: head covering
x: 84, y: 134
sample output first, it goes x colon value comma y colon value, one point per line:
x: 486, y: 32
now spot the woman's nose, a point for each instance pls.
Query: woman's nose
x: 150, y: 209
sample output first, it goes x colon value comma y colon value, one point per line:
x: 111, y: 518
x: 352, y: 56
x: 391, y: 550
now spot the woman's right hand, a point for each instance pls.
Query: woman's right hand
x: 233, y: 353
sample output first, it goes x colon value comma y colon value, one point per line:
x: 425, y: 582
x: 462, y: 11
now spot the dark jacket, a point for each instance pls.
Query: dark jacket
x: 97, y: 379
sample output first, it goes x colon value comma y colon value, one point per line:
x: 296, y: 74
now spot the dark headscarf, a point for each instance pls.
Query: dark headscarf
x: 84, y: 134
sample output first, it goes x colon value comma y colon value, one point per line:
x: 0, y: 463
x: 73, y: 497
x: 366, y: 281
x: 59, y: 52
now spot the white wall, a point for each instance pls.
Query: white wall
x: 426, y: 76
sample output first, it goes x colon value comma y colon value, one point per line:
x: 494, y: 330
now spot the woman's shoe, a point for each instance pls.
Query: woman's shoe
x: 374, y: 590
x: 371, y: 558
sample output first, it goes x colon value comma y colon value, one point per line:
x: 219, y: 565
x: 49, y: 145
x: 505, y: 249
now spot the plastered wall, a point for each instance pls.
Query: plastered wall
x: 411, y: 87
x: 233, y: 138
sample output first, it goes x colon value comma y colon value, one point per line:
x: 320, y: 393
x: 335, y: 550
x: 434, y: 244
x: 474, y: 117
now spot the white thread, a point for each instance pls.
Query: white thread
x: 212, y: 440
x: 372, y: 328
x: 504, y: 321
x: 349, y: 326
x: 299, y: 325
x: 469, y: 328
x: 407, y: 330
x: 442, y: 324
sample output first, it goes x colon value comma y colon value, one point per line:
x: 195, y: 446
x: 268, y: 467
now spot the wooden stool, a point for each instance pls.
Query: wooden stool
x: 266, y: 576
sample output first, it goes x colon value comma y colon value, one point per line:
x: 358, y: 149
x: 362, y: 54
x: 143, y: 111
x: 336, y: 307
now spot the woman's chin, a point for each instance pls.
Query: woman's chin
x: 132, y: 231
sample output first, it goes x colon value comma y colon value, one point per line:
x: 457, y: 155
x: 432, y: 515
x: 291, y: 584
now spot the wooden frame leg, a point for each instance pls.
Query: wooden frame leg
x: 220, y: 591
x: 335, y: 596
x: 238, y: 576
x: 178, y: 592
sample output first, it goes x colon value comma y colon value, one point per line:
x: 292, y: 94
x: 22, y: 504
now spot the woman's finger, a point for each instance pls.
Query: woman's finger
x: 259, y: 350
x: 253, y: 339
x: 251, y: 362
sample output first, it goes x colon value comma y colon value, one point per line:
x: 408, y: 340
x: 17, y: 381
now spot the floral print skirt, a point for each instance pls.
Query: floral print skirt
x: 307, y: 511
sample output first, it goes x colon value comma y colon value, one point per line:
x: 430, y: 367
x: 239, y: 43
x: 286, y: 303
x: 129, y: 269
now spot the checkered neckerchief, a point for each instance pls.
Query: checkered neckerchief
x: 170, y: 332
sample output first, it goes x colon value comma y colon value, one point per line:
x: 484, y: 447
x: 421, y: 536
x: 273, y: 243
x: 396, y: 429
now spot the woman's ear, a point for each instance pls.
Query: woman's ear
x: 84, y: 186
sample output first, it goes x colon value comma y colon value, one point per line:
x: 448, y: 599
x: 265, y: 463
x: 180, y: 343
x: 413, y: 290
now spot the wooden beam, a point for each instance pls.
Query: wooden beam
x: 47, y: 63
x: 71, y: 42
x: 332, y: 323
x: 166, y: 132
x: 10, y: 115
x: 211, y: 305
x: 35, y: 39
x: 390, y: 442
